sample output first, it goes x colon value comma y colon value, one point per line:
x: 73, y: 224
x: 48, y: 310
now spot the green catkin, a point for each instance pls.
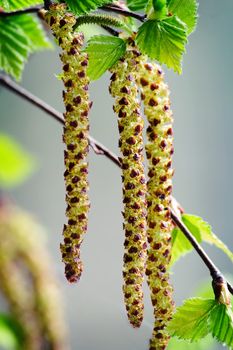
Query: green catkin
x: 125, y: 91
x: 29, y: 265
x: 76, y: 130
x: 16, y: 292
x: 159, y: 150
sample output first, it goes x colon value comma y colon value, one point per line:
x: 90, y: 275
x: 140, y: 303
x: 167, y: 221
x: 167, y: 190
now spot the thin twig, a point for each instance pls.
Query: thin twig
x: 47, y: 3
x: 101, y: 149
x: 214, y: 271
x: 211, y: 266
x: 120, y: 11
x: 32, y: 9
x: 26, y: 95
x: 111, y: 30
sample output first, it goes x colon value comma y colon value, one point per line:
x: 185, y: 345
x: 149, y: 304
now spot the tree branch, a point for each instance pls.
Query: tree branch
x: 102, y: 150
x: 26, y: 95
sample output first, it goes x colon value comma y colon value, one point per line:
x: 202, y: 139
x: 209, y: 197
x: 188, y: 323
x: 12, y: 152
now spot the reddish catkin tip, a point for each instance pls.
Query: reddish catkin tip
x: 124, y: 89
x: 75, y: 137
x: 158, y: 150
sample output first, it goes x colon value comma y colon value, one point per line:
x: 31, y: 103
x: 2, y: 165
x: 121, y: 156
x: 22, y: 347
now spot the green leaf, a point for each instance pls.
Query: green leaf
x: 103, y: 52
x: 221, y: 324
x: 160, y: 9
x: 85, y: 6
x: 33, y: 30
x: 201, y: 230
x: 19, y: 36
x: 136, y: 5
x: 196, y: 223
x: 190, y: 321
x: 204, y: 344
x: 11, y: 334
x: 14, y: 48
x: 186, y: 10
x: 12, y: 5
x: 181, y: 245
x: 164, y: 40
x: 15, y: 164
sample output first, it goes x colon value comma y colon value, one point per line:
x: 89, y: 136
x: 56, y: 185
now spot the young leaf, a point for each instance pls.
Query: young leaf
x: 13, y: 5
x: 34, y: 32
x: 16, y: 164
x: 160, y: 9
x: 204, y: 344
x: 19, y: 36
x: 221, y: 324
x: 186, y: 10
x: 85, y: 6
x: 136, y: 5
x: 103, y: 52
x: 197, y: 224
x: 190, y: 321
x: 164, y: 40
x: 201, y: 230
x: 181, y: 245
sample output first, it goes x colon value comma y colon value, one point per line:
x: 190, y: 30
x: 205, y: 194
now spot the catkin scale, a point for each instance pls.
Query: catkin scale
x: 159, y: 149
x: 124, y: 89
x: 76, y: 130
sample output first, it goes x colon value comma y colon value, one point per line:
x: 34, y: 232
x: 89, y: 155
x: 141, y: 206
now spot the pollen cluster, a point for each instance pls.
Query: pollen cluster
x: 76, y: 129
x: 124, y: 89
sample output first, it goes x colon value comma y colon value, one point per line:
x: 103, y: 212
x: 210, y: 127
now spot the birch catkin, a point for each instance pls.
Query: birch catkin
x: 124, y: 89
x: 159, y: 150
x: 76, y: 100
x: 27, y: 281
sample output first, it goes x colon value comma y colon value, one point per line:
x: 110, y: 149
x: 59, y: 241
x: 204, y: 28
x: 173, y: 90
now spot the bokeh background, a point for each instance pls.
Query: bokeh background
x: 202, y: 103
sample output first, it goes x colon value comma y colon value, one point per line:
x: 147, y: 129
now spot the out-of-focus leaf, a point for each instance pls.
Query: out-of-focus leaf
x: 16, y: 165
x: 34, y: 32
x: 85, y: 6
x: 136, y: 5
x: 207, y: 343
x: 19, y: 36
x: 11, y: 334
x: 12, y: 5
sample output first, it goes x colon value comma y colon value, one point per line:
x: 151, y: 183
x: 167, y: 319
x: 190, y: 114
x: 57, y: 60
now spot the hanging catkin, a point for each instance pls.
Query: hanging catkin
x: 76, y: 100
x: 125, y: 91
x: 159, y: 150
x: 24, y: 262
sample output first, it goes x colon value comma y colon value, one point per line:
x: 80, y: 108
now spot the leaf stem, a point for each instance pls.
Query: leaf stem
x: 103, y: 150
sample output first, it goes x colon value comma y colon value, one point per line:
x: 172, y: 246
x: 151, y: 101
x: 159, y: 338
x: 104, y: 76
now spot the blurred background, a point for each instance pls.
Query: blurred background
x: 201, y: 101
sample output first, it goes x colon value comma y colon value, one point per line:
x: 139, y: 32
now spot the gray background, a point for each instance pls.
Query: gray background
x: 202, y: 105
